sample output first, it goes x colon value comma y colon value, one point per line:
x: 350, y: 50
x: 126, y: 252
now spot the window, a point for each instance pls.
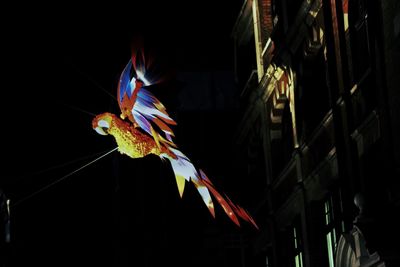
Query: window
x: 334, y: 225
x: 298, y: 248
x: 267, y: 262
x: 331, y: 235
x: 279, y: 27
x: 345, y: 6
x: 268, y: 258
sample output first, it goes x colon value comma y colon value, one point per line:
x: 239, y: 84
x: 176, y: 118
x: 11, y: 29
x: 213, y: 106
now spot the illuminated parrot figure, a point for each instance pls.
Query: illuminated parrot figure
x: 143, y: 128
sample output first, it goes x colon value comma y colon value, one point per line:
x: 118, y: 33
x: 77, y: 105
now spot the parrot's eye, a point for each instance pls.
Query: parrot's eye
x: 103, y: 124
x: 102, y: 127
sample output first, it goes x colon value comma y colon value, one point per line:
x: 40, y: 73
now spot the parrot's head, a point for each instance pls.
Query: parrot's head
x: 102, y: 123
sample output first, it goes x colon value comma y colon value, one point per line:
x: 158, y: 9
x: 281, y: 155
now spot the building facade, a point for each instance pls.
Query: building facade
x: 320, y: 130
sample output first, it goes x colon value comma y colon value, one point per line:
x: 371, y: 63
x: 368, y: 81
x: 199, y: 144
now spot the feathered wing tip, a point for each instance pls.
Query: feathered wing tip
x: 185, y: 171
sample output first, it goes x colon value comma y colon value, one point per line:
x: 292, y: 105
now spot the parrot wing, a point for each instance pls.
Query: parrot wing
x: 145, y: 110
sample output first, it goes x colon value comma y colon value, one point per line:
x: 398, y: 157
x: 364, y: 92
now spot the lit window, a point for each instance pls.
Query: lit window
x: 334, y: 226
x: 345, y: 6
x: 298, y: 251
x: 331, y: 235
x: 267, y: 262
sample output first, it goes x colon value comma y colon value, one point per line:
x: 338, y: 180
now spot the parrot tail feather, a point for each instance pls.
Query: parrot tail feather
x: 232, y: 210
x: 185, y: 171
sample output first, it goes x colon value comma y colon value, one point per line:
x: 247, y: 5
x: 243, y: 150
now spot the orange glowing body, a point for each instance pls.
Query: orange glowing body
x: 131, y: 141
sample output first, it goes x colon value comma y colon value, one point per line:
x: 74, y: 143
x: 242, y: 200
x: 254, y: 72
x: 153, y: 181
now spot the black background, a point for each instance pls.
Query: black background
x: 60, y: 60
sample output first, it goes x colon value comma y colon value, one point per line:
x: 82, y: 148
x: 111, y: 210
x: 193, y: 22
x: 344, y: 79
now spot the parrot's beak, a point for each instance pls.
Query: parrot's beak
x: 99, y: 130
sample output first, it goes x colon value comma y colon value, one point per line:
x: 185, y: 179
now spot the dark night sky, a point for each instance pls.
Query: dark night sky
x: 55, y: 63
x: 52, y: 60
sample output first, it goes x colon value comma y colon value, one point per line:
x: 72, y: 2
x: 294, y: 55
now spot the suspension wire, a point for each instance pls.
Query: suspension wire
x: 35, y: 173
x: 91, y: 80
x: 79, y: 109
x: 62, y: 178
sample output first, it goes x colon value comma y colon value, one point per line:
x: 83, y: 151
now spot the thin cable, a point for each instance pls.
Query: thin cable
x: 91, y: 80
x: 62, y: 178
x: 79, y: 109
x: 67, y: 163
